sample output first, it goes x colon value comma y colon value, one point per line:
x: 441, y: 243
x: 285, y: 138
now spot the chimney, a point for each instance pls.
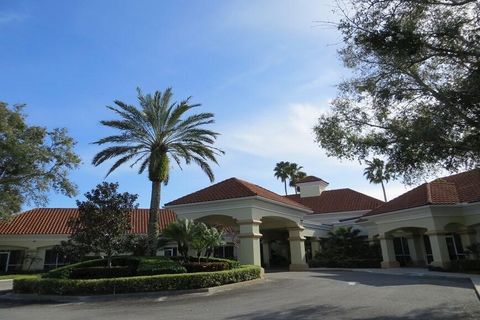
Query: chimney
x: 311, y: 186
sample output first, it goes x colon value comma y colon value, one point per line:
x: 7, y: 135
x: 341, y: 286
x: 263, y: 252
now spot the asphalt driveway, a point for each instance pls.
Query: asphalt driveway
x: 285, y: 295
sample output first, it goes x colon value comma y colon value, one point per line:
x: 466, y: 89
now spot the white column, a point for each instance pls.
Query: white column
x: 416, y: 250
x: 297, y: 249
x: 440, y: 254
x: 388, y: 253
x: 250, y: 242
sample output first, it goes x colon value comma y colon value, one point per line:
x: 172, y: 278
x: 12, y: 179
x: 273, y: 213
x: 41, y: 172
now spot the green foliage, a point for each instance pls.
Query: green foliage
x: 377, y: 172
x: 206, y: 266
x: 33, y: 161
x: 182, y: 232
x: 413, y: 98
x: 285, y: 170
x: 101, y: 272
x: 136, y: 284
x: 103, y: 220
x: 345, y: 248
x: 159, y: 265
x: 154, y: 135
x: 464, y: 266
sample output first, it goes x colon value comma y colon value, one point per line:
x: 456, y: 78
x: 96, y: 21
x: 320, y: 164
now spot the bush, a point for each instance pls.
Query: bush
x: 159, y: 265
x: 101, y: 272
x: 464, y: 266
x: 232, y: 264
x: 345, y: 263
x: 136, y: 284
x: 206, y: 266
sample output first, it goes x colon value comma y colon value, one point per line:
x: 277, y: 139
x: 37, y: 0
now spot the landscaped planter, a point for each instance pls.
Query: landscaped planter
x: 164, y: 282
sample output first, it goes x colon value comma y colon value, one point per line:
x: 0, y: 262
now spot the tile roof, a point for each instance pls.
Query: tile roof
x: 459, y: 188
x: 311, y: 179
x: 55, y: 221
x: 339, y: 200
x: 233, y: 188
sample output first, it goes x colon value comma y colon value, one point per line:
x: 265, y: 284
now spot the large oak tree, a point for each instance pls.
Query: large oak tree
x: 414, y: 96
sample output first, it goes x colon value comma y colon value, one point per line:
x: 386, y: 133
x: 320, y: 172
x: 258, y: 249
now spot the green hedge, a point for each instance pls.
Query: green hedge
x: 464, y: 266
x: 232, y: 264
x: 136, y: 284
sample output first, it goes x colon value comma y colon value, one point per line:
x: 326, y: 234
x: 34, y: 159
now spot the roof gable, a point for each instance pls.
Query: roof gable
x: 233, y: 188
x: 54, y: 221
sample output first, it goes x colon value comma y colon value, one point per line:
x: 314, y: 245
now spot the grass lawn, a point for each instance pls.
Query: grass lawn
x: 18, y: 276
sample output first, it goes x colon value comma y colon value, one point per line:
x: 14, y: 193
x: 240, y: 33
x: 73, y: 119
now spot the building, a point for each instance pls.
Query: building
x: 431, y: 224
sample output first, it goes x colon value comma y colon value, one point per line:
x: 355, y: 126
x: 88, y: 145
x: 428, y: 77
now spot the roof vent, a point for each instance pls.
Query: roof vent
x: 311, y: 186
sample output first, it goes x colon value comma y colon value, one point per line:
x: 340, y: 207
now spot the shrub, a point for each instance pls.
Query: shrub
x: 464, y: 265
x: 232, y: 264
x: 101, y: 272
x: 136, y: 284
x: 206, y: 266
x: 159, y: 265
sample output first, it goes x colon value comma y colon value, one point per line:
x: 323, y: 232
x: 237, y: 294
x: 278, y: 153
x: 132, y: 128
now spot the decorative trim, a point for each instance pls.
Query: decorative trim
x: 249, y: 221
x: 296, y: 238
x: 250, y: 235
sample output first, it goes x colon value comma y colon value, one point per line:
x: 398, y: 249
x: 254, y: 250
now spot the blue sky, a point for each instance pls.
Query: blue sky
x: 266, y: 69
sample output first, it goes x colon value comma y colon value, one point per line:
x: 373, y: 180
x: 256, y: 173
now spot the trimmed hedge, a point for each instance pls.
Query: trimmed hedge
x: 206, y: 266
x: 136, y: 284
x: 464, y: 266
x: 345, y: 263
x: 101, y: 272
x: 158, y: 265
x: 232, y: 264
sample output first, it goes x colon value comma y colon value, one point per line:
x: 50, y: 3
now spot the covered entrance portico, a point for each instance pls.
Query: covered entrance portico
x: 268, y: 233
x: 428, y: 235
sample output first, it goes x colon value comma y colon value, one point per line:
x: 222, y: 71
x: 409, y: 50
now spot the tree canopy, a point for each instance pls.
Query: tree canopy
x: 413, y: 98
x: 33, y: 161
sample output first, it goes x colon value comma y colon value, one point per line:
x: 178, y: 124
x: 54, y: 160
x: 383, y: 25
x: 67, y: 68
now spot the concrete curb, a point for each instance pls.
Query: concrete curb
x: 122, y: 296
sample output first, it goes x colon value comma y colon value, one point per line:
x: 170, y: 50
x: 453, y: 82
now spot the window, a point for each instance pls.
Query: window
x: 170, y: 252
x: 428, y: 248
x: 11, y: 260
x: 225, y: 252
x: 455, y: 247
x: 53, y: 260
x: 402, y: 252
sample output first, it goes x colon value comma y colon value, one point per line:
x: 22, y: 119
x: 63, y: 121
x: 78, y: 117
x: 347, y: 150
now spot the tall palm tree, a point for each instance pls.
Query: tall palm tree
x: 295, y: 174
x: 154, y: 134
x: 377, y: 172
x: 281, y: 172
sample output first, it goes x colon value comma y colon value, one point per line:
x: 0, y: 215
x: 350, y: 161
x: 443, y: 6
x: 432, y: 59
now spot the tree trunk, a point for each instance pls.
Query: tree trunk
x: 109, y: 261
x: 153, y: 218
x: 384, y: 193
x: 285, y: 184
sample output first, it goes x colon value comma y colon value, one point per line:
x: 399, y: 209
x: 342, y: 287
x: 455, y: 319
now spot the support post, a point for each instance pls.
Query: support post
x: 388, y: 252
x: 297, y: 249
x: 250, y: 242
x: 440, y: 254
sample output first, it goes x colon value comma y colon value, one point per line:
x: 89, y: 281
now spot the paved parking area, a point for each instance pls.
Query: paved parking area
x: 286, y: 295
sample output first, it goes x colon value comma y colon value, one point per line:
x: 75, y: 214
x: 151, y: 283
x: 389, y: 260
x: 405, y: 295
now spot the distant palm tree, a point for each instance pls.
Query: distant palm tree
x: 154, y: 134
x: 281, y: 172
x: 295, y: 174
x: 183, y: 232
x: 377, y: 172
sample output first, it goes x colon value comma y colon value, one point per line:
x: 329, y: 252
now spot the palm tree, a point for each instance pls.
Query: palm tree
x: 182, y: 231
x: 214, y: 238
x: 281, y: 172
x: 377, y: 172
x: 295, y: 174
x: 152, y: 136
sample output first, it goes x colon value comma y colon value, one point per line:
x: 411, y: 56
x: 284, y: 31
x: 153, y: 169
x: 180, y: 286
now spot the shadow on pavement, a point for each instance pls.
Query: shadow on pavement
x: 333, y: 312
x: 382, y: 280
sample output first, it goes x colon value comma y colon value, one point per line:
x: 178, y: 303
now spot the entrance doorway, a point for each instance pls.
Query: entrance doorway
x: 402, y: 252
x: 4, y: 257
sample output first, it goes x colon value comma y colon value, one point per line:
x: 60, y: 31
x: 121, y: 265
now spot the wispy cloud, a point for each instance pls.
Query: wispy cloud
x: 7, y: 18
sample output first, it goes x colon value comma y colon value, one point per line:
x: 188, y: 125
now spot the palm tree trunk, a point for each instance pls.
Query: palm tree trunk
x: 384, y: 193
x: 285, y: 184
x: 153, y: 218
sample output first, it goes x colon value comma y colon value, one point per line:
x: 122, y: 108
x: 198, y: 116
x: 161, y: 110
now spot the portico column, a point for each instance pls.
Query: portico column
x: 250, y: 241
x: 315, y: 246
x: 297, y: 249
x: 440, y: 254
x: 468, y: 238
x: 388, y: 252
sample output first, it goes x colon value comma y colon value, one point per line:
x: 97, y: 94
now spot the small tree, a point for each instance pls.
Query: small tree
x: 214, y: 238
x: 104, y: 220
x: 199, y: 239
x: 182, y: 232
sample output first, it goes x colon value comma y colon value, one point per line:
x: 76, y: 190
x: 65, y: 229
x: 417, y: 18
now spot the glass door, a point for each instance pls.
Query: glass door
x: 402, y: 252
x: 4, y: 261
x: 455, y: 247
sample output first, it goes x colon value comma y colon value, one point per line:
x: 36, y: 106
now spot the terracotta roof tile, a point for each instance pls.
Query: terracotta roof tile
x: 459, y: 188
x: 233, y: 188
x: 55, y: 221
x: 311, y: 179
x: 338, y: 201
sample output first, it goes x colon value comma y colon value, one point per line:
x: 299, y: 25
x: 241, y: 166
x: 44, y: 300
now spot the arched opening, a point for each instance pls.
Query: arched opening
x: 411, y: 246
